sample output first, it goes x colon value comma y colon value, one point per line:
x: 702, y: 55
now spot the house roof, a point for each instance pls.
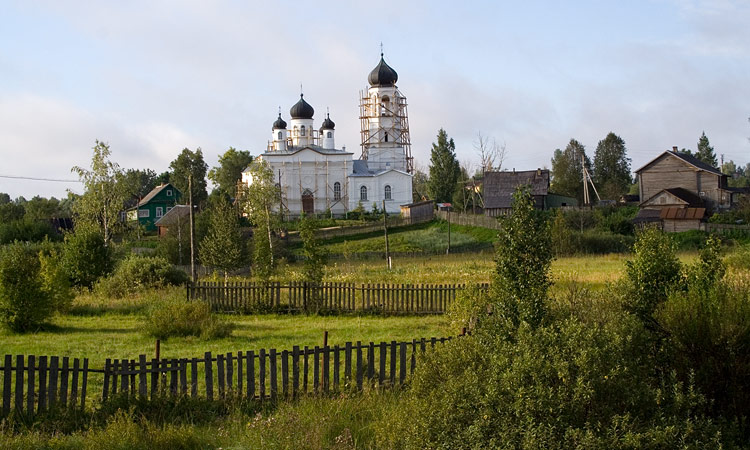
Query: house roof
x: 361, y: 169
x: 172, y: 216
x: 682, y: 213
x: 154, y: 192
x: 686, y: 196
x: 690, y: 159
x: 315, y: 148
x: 499, y: 186
x: 647, y: 216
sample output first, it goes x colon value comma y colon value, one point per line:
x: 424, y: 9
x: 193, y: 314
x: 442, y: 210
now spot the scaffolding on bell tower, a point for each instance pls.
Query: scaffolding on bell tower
x: 385, y: 122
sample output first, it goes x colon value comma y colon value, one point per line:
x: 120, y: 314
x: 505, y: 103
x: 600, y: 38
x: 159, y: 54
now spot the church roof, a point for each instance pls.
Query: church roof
x: 302, y: 109
x: 315, y: 148
x: 360, y: 169
x: 382, y: 75
x: 328, y: 123
x: 279, y: 124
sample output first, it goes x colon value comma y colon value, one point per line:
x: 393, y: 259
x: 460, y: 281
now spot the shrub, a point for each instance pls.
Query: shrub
x: 652, y: 273
x: 176, y: 317
x: 601, y: 242
x: 135, y: 273
x: 26, y: 231
x: 739, y: 258
x: 469, y: 305
x: 54, y: 279
x: 85, y: 257
x: 24, y: 302
x: 689, y: 240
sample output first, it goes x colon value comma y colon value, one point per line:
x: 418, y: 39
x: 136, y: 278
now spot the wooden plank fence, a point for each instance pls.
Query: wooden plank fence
x: 344, y: 297
x: 36, y: 384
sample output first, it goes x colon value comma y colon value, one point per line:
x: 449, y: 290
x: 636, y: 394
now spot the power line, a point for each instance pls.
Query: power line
x: 40, y: 179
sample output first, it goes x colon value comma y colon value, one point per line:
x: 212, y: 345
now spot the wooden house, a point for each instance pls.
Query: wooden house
x: 154, y: 205
x: 703, y: 183
x: 419, y: 211
x: 499, y: 187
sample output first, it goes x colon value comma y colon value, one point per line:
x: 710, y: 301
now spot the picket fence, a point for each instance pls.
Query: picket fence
x: 32, y: 385
x: 295, y: 296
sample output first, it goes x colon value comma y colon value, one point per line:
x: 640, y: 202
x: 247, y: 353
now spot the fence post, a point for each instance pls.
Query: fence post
x: 209, y: 376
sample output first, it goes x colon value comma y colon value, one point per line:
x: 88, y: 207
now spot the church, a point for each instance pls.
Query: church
x: 315, y: 176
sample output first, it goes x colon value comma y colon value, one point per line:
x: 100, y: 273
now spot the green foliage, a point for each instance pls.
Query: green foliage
x: 611, y: 167
x: 54, y: 278
x: 11, y: 211
x: 25, y: 302
x: 229, y: 171
x: 567, y: 174
x: 469, y: 304
x: 40, y: 208
x: 652, y: 273
x: 314, y: 253
x: 176, y: 317
x: 99, y: 207
x: 223, y: 247
x: 561, y: 236
x: 26, y: 231
x: 444, y: 168
x: 190, y: 164
x: 136, y: 273
x: 257, y: 201
x: 85, y: 257
x: 138, y: 183
x: 522, y: 259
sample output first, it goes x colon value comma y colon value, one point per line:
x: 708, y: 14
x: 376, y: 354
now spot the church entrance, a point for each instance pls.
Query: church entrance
x: 308, y: 202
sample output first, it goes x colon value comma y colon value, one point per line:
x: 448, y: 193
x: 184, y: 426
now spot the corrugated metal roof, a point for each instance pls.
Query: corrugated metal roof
x: 154, y: 192
x: 682, y: 213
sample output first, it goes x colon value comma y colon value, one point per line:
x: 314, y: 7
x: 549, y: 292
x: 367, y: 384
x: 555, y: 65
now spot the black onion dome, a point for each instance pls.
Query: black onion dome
x: 302, y: 109
x: 279, y: 124
x: 328, y: 123
x: 382, y: 74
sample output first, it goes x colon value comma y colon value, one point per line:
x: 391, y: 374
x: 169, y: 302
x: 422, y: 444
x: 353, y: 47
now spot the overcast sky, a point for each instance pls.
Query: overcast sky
x: 152, y: 77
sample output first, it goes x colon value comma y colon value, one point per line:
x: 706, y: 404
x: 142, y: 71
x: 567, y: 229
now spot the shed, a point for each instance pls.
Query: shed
x: 419, y: 211
x: 500, y: 186
x: 681, y: 219
x: 174, y: 217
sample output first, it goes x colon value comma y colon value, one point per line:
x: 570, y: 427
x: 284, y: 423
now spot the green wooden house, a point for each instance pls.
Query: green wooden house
x: 154, y: 205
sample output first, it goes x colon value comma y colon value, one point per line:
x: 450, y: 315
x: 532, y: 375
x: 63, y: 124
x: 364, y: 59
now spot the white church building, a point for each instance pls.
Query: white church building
x: 315, y: 176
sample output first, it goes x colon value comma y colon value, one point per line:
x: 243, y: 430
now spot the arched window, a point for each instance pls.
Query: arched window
x: 363, y: 193
x: 295, y: 131
x: 337, y: 191
x: 329, y: 135
x: 385, y: 106
x: 279, y: 135
x: 387, y: 192
x: 302, y: 130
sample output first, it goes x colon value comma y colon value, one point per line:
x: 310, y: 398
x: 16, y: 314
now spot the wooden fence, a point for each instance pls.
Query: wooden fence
x: 331, y: 232
x: 260, y: 376
x: 474, y: 220
x: 298, y: 296
x: 725, y: 228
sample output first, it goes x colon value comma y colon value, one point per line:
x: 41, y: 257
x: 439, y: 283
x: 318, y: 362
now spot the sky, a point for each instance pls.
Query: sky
x: 153, y: 77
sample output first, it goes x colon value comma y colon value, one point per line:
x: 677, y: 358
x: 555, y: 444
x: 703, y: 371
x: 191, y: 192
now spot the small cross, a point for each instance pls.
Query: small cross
x: 381, y: 49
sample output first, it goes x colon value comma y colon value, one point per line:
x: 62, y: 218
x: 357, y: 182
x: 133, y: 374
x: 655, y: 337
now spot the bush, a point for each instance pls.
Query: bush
x: 135, y: 273
x: 24, y: 302
x: 85, y: 257
x: 176, y: 317
x: 26, y: 231
x: 689, y: 240
x: 601, y: 242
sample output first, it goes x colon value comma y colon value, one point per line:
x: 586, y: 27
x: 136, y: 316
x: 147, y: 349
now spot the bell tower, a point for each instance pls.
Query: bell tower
x: 384, y: 122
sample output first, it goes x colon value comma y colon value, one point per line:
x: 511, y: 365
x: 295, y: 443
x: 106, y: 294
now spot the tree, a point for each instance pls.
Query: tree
x: 85, y: 257
x: 223, y: 246
x: 24, y: 302
x: 444, y: 169
x: 491, y: 154
x: 99, y: 207
x: 567, y: 174
x: 705, y: 151
x: 40, y: 208
x: 4, y: 198
x: 257, y: 201
x: 138, y: 183
x: 186, y: 164
x: 229, y: 171
x: 522, y: 262
x: 419, y: 184
x: 611, y: 167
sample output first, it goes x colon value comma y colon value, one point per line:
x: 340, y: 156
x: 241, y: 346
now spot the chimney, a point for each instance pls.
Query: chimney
x: 538, y: 172
x: 674, y: 149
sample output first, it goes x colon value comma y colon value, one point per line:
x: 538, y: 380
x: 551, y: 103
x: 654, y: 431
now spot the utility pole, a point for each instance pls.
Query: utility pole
x: 385, y: 231
x: 192, y: 229
x: 179, y: 239
x: 586, y: 200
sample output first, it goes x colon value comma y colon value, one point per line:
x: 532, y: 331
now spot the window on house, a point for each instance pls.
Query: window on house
x: 302, y: 130
x: 159, y: 211
x: 143, y: 213
x: 386, y: 137
x: 169, y: 208
x: 363, y: 193
x: 337, y: 191
x: 329, y: 135
x: 279, y: 138
x: 169, y: 192
x: 387, y: 192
